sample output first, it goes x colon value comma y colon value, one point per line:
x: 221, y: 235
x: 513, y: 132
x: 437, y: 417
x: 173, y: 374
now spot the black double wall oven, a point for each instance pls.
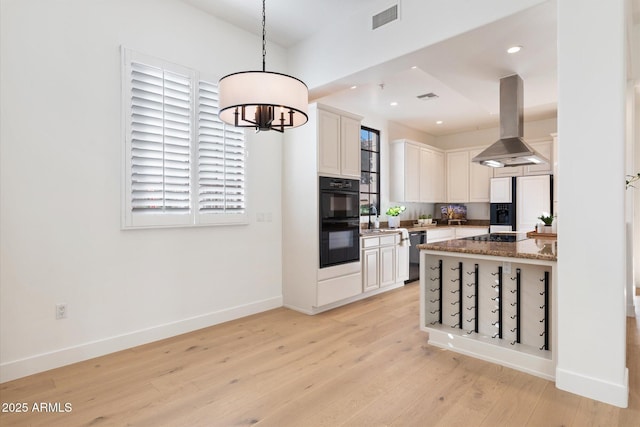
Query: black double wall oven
x: 339, y: 221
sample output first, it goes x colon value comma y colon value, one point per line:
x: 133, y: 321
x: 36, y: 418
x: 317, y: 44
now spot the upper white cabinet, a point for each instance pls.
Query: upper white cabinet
x: 501, y: 190
x: 467, y: 181
x: 479, y: 179
x: 546, y: 149
x: 338, y: 143
x: 417, y: 172
x: 458, y: 176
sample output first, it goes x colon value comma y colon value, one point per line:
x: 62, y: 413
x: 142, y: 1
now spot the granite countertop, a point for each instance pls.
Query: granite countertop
x: 542, y: 249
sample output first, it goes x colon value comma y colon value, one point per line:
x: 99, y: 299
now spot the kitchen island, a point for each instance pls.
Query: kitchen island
x: 492, y: 300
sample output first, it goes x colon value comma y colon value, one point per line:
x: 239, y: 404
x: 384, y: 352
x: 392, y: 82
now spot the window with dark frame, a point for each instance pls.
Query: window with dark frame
x: 369, y: 171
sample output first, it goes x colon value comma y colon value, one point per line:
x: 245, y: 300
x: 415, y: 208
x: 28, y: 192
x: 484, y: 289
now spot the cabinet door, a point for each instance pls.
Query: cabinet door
x: 533, y: 198
x: 370, y: 263
x: 412, y: 174
x: 402, y: 263
x: 479, y: 179
x: 437, y: 176
x: 425, y: 173
x: 501, y: 190
x: 329, y: 143
x: 387, y: 265
x: 350, y: 147
x: 458, y: 177
x: 546, y: 149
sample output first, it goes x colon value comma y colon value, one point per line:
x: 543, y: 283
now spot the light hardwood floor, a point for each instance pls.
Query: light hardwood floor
x: 366, y: 364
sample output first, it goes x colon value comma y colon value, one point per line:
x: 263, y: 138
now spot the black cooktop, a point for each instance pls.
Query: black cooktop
x: 498, y: 237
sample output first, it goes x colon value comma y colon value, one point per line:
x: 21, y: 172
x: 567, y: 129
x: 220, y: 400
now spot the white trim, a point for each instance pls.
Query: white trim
x: 594, y: 388
x: 66, y: 356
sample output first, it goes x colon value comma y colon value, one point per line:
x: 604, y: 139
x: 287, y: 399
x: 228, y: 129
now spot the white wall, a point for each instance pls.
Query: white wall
x: 348, y: 44
x: 485, y: 137
x: 591, y: 269
x: 61, y: 141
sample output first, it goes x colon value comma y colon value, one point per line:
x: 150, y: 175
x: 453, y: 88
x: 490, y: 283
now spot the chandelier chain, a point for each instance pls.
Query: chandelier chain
x: 264, y: 32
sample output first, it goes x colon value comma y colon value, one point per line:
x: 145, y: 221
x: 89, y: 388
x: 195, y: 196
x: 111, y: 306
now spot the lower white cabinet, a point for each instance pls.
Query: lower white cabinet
x: 470, y: 231
x: 402, y: 263
x: 385, y: 262
x: 441, y: 234
x: 370, y: 267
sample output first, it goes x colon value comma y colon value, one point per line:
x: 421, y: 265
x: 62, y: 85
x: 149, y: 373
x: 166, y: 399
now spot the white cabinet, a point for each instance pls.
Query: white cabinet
x: 338, y: 144
x: 440, y: 234
x: 458, y: 176
x: 501, y: 190
x: 470, y: 231
x: 467, y: 181
x: 402, y: 263
x: 328, y: 145
x: 416, y: 172
x: 532, y: 199
x: 384, y: 262
x: 479, y: 179
x: 545, y: 148
x: 387, y: 265
x: 370, y: 267
x: 431, y: 176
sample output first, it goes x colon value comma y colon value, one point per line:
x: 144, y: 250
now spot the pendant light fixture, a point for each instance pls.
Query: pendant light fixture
x: 263, y: 100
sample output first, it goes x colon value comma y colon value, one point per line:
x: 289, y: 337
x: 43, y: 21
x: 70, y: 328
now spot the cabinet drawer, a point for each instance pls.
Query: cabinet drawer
x: 370, y: 242
x: 337, y: 289
x: 388, y: 240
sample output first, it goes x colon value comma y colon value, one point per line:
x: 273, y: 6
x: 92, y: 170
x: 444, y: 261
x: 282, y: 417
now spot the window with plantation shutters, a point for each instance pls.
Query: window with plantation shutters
x: 183, y: 166
x: 220, y: 158
x: 160, y: 140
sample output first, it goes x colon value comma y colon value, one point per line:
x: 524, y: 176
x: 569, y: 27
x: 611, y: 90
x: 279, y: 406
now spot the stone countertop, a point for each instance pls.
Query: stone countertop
x: 542, y: 249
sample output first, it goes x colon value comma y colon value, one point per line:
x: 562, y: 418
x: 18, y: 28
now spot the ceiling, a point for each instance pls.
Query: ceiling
x: 463, y: 71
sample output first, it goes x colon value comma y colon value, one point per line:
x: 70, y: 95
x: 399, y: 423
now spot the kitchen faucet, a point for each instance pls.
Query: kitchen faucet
x: 375, y: 212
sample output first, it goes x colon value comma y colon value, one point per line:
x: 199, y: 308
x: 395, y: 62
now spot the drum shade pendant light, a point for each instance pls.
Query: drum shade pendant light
x: 263, y: 100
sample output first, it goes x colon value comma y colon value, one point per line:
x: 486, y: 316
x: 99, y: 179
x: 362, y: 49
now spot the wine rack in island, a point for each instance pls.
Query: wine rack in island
x: 496, y: 309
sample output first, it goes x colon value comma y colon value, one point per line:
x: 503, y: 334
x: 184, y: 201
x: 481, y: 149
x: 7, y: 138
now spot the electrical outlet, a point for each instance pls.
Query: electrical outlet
x: 61, y: 311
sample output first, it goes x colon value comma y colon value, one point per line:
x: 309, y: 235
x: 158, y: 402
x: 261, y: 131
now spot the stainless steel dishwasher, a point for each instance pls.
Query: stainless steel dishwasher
x: 415, y: 238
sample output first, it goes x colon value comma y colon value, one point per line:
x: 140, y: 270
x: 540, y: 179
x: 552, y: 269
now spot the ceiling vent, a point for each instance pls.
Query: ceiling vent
x: 385, y: 17
x: 427, y: 96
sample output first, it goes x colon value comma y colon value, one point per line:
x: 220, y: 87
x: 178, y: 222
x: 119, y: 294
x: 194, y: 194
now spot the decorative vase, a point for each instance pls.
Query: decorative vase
x: 394, y: 221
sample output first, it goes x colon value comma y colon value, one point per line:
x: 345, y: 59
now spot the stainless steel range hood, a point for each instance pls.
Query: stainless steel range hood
x: 510, y: 149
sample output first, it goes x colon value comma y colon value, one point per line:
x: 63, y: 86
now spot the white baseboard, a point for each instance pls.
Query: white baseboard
x: 593, y: 388
x: 66, y: 356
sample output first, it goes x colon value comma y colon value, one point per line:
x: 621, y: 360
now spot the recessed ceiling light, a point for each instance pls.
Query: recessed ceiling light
x: 393, y: 104
x: 439, y: 122
x: 414, y: 67
x: 354, y: 86
x: 514, y: 49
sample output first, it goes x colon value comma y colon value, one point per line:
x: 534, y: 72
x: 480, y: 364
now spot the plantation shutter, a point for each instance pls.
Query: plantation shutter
x: 221, y: 158
x: 160, y: 123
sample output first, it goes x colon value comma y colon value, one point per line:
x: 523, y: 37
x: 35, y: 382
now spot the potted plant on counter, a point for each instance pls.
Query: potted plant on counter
x: 393, y: 215
x: 547, y: 219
